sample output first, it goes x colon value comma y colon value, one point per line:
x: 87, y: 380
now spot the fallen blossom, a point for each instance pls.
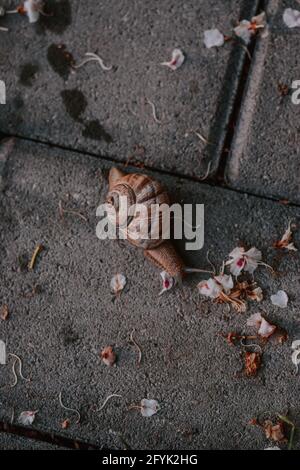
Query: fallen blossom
x: 286, y: 240
x: 247, y: 290
x: 244, y: 260
x: 4, y: 312
x: 108, y: 356
x: 176, y: 60
x: 210, y: 288
x: 149, y: 407
x: 65, y: 424
x: 291, y: 18
x: 213, y: 38
x: 117, y: 283
x: 265, y: 329
x: 280, y: 299
x: 252, y: 363
x: 168, y: 282
x: 274, y: 432
x: 219, y: 289
x: 296, y: 353
x: 33, y: 8
x: 246, y: 29
x: 27, y: 417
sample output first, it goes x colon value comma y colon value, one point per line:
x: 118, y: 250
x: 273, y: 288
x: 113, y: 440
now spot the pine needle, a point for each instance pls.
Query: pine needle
x: 69, y: 409
x: 36, y: 252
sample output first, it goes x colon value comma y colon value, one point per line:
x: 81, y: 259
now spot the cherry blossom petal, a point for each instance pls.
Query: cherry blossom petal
x: 243, y: 31
x: 213, y: 38
x: 296, y: 344
x: 168, y: 282
x: 32, y: 8
x: 280, y: 299
x: 26, y: 418
x: 226, y: 282
x: 266, y: 329
x: 149, y: 407
x: 176, y: 60
x: 255, y: 320
x: 296, y: 359
x: 210, y: 288
x: 291, y: 18
x: 117, y: 283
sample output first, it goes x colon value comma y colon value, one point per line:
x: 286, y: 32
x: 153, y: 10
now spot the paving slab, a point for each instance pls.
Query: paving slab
x: 12, y: 442
x: 106, y: 112
x: 62, y: 314
x: 265, y: 152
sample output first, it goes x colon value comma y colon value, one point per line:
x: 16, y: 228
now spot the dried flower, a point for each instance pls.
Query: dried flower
x: 296, y: 353
x: 265, y: 329
x: 213, y: 38
x: 108, y: 356
x: 149, y: 407
x: 4, y: 312
x: 176, y: 60
x: 246, y: 29
x: 168, y: 282
x: 286, y: 240
x: 117, y: 283
x: 291, y: 18
x: 65, y: 424
x: 244, y: 260
x: 274, y: 432
x: 252, y: 363
x: 219, y: 289
x: 27, y: 417
x: 280, y: 299
x: 247, y: 290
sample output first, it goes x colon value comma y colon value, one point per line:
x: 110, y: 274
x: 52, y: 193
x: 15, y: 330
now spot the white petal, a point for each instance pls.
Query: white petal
x: 255, y: 320
x: 149, y: 407
x: 237, y: 252
x: 226, y: 282
x: 266, y: 329
x: 296, y: 344
x: 243, y: 32
x: 291, y: 18
x: 27, y: 417
x: 213, y: 38
x: 209, y: 288
x: 296, y: 359
x: 176, y: 61
x: 291, y: 247
x: 254, y: 254
x: 280, y: 299
x: 31, y: 7
x: 237, y: 266
x: 168, y: 282
x: 118, y: 283
x: 259, y: 19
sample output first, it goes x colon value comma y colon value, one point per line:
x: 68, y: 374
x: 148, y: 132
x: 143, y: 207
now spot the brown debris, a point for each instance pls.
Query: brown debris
x: 252, y: 363
x: 36, y: 252
x: 108, y: 356
x: 275, y: 432
x: 4, y: 312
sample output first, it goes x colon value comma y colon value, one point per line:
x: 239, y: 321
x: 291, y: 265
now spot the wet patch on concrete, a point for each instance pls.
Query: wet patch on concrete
x: 75, y: 103
x: 58, y: 16
x: 28, y: 74
x: 93, y: 130
x: 60, y: 60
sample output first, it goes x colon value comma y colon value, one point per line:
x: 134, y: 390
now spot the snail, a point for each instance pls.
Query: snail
x: 139, y: 189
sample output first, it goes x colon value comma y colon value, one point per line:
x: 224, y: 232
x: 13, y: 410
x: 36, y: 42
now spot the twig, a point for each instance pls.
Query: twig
x: 106, y: 400
x: 203, y: 139
x: 137, y: 346
x: 36, y: 252
x: 69, y: 409
x: 63, y: 211
x: 20, y: 366
x: 153, y: 111
x: 92, y: 58
x: 209, y: 262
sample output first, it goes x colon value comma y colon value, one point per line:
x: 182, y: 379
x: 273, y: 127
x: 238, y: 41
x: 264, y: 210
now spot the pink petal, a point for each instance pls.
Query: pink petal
x: 176, y: 61
x: 266, y: 329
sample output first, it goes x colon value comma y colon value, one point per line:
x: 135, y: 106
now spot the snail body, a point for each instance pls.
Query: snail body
x: 137, y: 226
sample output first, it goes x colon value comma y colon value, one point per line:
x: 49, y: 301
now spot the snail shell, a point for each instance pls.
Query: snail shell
x: 139, y: 227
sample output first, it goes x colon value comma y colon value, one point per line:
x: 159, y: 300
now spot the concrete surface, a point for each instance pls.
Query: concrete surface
x: 106, y: 113
x: 265, y: 151
x: 206, y: 402
x: 12, y: 442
